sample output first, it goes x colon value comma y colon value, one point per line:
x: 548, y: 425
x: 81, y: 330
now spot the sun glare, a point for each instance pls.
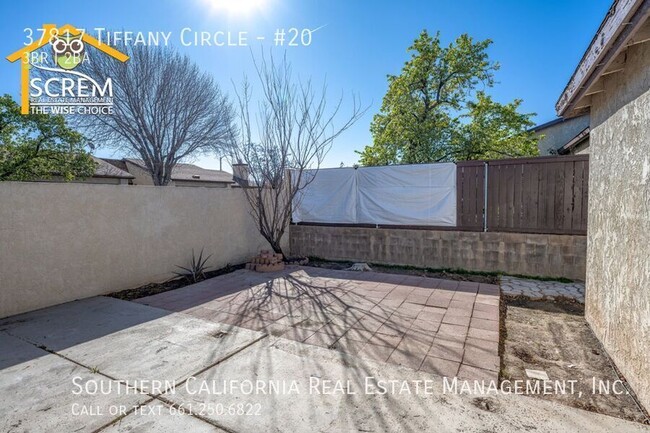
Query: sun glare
x: 235, y: 7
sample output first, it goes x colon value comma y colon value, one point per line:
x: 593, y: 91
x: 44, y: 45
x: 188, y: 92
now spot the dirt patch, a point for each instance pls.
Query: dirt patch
x: 555, y: 337
x: 431, y: 273
x: 177, y: 283
x: 488, y: 404
x: 559, y: 304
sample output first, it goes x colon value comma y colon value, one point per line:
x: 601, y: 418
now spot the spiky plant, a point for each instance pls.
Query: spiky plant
x: 196, y: 271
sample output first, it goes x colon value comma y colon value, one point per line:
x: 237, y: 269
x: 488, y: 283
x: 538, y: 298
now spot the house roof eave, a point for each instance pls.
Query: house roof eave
x: 623, y: 19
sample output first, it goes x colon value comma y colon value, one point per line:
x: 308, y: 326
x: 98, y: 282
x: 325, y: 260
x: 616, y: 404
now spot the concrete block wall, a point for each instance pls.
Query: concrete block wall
x: 513, y: 253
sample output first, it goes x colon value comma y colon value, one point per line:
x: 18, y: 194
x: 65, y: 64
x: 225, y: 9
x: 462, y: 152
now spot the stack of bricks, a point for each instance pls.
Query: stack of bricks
x: 266, y: 261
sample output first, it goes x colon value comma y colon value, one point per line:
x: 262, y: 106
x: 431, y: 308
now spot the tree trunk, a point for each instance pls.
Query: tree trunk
x: 276, y: 246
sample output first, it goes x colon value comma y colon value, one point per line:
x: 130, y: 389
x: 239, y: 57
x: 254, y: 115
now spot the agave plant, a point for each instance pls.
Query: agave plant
x: 196, y: 271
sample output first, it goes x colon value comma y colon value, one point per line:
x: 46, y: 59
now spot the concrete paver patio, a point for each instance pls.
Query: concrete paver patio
x: 444, y: 327
x: 48, y: 357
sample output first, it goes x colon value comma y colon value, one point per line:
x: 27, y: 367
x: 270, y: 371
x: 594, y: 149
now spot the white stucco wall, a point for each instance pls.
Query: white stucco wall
x: 556, y: 136
x: 66, y: 241
x: 618, y: 252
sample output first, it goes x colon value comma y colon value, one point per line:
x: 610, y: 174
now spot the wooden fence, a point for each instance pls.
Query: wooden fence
x: 525, y: 195
x: 470, y: 195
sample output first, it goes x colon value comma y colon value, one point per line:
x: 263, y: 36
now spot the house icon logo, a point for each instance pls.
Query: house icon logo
x: 68, y: 50
x: 65, y: 90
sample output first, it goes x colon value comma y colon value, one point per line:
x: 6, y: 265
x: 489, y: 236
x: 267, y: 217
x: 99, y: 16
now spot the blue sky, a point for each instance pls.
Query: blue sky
x: 537, y: 43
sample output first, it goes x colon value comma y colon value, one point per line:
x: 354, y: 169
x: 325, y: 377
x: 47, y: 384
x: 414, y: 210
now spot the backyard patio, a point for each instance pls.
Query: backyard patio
x: 107, y: 365
x: 448, y: 328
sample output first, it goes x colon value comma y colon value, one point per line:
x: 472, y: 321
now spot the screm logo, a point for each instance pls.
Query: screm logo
x: 62, y: 89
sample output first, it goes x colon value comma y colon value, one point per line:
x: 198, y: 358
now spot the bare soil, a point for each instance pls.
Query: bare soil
x: 177, y: 283
x: 431, y: 273
x: 555, y: 337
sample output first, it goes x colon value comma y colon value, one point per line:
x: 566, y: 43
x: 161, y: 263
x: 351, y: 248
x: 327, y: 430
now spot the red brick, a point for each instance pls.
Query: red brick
x: 488, y: 325
x: 391, y: 329
x: 377, y: 353
x: 448, y: 285
x: 456, y: 330
x: 369, y: 323
x: 458, y: 312
x: 321, y: 339
x: 481, y: 358
x: 491, y: 346
x: 456, y: 320
x: 385, y: 340
x: 399, y: 322
x: 482, y: 334
x: 462, y: 305
x: 487, y: 308
x: 451, y: 341
x: 407, y: 358
x: 440, y: 367
x: 488, y: 289
x: 357, y: 335
x: 352, y: 347
x: 438, y: 301
x: 431, y: 314
x: 333, y: 329
x: 450, y: 353
x: 484, y: 314
x: 298, y: 334
x: 469, y: 372
x: 422, y: 336
x: 425, y: 326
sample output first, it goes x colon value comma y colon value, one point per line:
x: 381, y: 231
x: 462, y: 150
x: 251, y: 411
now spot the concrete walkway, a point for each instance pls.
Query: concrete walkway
x: 105, y: 365
x: 444, y: 327
x: 538, y: 290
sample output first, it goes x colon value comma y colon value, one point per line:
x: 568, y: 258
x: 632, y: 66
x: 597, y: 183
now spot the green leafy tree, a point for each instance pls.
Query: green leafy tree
x: 433, y: 112
x: 494, y: 131
x: 39, y: 146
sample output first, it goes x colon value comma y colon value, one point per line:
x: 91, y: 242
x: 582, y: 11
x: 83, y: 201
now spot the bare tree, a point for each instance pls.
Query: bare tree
x: 294, y: 130
x: 165, y: 109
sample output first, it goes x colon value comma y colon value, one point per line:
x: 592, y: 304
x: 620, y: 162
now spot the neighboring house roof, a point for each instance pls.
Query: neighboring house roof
x: 194, y: 172
x: 559, y: 134
x: 105, y: 168
x: 625, y: 24
x: 191, y: 172
x: 119, y: 163
x: 543, y: 126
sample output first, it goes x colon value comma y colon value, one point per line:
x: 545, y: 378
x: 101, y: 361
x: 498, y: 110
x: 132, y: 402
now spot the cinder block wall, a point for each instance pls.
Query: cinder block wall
x: 513, y: 253
x: 60, y: 242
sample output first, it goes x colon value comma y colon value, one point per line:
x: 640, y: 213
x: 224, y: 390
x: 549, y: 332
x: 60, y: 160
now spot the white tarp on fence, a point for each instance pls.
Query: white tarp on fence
x: 330, y: 196
x: 423, y: 194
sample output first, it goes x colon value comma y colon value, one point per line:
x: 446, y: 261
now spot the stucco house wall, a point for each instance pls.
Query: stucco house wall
x: 618, y: 253
x: 558, y: 134
x: 582, y: 148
